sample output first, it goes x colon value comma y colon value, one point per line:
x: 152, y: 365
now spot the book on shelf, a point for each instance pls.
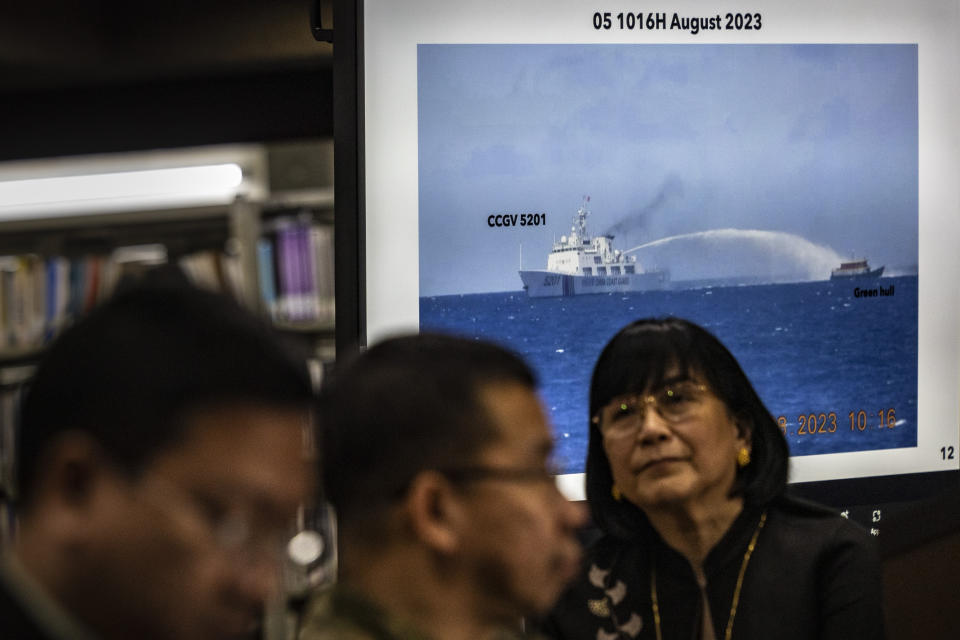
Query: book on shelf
x: 23, y: 288
x: 321, y: 251
x: 214, y: 270
x: 57, y: 295
x: 308, y: 288
x: 41, y: 295
x: 95, y: 282
x: 9, y: 409
x: 296, y: 272
x: 290, y: 288
x: 267, y: 277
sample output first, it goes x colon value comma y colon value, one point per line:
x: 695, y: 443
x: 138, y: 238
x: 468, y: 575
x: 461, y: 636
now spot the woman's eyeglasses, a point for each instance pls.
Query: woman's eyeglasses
x: 674, y: 403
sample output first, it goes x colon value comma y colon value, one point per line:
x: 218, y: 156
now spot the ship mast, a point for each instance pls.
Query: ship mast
x: 581, y: 221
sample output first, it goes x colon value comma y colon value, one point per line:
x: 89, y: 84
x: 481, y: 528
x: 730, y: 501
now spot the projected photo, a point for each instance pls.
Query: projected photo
x: 766, y: 192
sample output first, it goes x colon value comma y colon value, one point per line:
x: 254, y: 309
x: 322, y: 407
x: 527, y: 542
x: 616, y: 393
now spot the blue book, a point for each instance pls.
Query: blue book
x: 50, y: 302
x: 267, y: 275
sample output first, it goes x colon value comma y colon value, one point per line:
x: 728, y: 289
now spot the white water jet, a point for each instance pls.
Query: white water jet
x: 751, y: 254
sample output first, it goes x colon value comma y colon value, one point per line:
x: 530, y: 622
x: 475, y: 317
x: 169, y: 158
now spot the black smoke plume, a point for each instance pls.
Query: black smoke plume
x: 637, y: 220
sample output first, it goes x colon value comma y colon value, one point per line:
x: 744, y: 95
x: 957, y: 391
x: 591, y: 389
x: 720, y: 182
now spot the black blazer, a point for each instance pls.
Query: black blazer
x: 812, y: 576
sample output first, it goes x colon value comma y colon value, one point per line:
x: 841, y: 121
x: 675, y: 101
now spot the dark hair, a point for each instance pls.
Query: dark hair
x: 408, y: 404
x: 129, y: 373
x: 638, y: 358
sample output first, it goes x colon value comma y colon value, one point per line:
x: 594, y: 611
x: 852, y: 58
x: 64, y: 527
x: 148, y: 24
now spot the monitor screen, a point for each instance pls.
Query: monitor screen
x: 785, y: 174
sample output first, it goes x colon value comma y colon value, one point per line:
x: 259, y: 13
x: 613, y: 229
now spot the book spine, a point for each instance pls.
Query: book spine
x: 92, y: 285
x: 289, y: 272
x: 50, y: 300
x: 307, y: 269
x: 321, y: 250
x: 267, y: 276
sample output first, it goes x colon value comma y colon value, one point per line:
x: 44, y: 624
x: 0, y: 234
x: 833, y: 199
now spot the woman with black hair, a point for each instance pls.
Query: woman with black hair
x: 686, y: 478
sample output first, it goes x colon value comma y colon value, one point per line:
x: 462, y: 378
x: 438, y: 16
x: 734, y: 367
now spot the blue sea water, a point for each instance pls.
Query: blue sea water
x: 808, y: 348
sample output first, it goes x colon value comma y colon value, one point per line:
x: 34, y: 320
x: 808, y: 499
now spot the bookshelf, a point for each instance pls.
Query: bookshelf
x: 270, y: 245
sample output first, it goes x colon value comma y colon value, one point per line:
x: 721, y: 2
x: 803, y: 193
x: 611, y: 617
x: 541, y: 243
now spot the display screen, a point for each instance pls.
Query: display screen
x: 540, y: 174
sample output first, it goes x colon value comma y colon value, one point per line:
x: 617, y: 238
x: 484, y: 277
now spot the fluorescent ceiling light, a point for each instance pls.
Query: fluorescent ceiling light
x: 124, y: 190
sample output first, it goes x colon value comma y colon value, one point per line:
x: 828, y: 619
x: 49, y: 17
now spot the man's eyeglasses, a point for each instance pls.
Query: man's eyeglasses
x: 674, y: 403
x: 525, y: 475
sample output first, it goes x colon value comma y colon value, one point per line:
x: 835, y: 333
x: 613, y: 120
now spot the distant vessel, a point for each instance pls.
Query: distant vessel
x: 855, y: 269
x: 579, y: 264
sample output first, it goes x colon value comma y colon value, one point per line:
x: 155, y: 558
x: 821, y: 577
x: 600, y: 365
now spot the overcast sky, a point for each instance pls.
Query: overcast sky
x: 815, y: 141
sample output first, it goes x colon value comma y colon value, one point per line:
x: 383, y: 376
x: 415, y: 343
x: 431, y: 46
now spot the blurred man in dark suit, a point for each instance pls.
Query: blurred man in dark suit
x: 161, y: 459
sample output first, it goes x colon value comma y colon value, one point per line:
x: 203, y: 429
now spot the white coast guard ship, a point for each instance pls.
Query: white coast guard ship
x: 579, y: 264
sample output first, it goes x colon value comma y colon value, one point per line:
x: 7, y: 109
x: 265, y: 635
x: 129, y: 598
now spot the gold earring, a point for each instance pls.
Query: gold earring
x: 615, y: 492
x: 743, y: 457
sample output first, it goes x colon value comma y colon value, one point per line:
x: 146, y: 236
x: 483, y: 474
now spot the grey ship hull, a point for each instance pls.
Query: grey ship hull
x: 540, y: 283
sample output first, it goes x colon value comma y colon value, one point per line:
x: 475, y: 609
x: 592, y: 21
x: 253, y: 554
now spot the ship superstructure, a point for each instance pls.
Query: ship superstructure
x: 855, y: 269
x: 580, y: 264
